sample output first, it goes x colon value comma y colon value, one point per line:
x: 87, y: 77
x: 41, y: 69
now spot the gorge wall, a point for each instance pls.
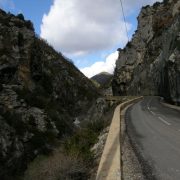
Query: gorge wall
x: 150, y: 63
x: 41, y: 95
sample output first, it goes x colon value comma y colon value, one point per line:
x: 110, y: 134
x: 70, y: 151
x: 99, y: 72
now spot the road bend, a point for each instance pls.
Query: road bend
x: 154, y: 132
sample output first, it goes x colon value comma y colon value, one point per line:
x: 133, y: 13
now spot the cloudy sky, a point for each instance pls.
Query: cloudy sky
x: 86, y: 31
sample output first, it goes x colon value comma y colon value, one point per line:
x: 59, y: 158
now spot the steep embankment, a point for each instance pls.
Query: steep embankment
x: 41, y: 94
x: 150, y: 63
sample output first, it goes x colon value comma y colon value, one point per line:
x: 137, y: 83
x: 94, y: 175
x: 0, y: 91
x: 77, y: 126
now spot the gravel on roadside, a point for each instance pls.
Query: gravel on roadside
x: 131, y: 168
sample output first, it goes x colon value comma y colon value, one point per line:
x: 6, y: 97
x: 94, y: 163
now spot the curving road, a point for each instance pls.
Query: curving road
x: 154, y: 132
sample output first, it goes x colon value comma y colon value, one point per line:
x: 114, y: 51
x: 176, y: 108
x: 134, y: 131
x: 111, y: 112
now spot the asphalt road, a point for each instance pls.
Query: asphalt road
x: 154, y: 132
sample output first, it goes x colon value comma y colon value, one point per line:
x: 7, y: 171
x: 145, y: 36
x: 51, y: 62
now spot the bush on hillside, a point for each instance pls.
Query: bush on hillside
x: 20, y: 16
x: 56, y: 167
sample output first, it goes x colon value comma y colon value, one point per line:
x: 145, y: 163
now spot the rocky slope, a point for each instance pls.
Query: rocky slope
x: 150, y: 63
x: 41, y: 95
x: 104, y: 79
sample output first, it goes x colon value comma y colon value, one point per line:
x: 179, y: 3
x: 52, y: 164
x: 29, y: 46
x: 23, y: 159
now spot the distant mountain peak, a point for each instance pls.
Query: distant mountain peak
x: 103, y: 78
x: 104, y: 73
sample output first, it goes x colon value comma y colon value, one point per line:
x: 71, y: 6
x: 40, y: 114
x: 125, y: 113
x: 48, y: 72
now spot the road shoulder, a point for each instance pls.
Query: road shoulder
x: 131, y: 168
x: 171, y: 106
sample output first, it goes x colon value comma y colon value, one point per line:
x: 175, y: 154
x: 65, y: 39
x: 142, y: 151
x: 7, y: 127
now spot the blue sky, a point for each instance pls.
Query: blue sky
x: 88, y: 32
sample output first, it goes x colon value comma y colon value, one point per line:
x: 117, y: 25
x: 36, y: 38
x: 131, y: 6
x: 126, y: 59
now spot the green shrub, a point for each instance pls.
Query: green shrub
x: 29, y: 25
x: 156, y: 4
x: 80, y: 144
x: 43, y: 141
x: 97, y: 126
x: 20, y: 16
x: 129, y: 44
x: 147, y: 6
x: 15, y: 121
x: 46, y: 83
x: 166, y: 2
x: 38, y: 140
x: 37, y: 98
x: 62, y: 121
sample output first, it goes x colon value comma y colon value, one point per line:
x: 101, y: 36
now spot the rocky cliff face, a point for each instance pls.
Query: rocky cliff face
x: 41, y: 94
x: 150, y: 63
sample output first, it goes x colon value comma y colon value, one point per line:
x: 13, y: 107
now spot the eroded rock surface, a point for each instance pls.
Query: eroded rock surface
x: 150, y: 63
x: 41, y: 94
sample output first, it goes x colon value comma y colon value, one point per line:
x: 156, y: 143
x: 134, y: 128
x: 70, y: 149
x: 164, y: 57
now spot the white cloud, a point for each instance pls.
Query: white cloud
x: 101, y: 66
x: 83, y: 26
x: 77, y: 27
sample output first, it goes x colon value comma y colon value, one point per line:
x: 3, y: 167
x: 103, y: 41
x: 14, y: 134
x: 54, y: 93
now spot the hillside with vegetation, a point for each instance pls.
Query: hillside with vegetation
x: 103, y: 81
x: 43, y: 99
x: 103, y: 78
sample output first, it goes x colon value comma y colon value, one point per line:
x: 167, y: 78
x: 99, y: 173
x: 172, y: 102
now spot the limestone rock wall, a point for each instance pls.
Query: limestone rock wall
x: 150, y: 63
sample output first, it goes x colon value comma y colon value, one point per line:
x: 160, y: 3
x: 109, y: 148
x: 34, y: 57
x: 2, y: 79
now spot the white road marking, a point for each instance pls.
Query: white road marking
x: 153, y: 113
x: 148, y: 107
x: 148, y: 104
x: 164, y: 121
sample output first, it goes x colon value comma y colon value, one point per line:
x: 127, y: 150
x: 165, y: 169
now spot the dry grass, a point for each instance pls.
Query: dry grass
x: 58, y: 166
x: 74, y: 161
